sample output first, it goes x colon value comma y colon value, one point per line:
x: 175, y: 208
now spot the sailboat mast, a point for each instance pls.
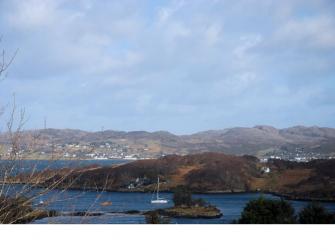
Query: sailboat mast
x: 157, y: 187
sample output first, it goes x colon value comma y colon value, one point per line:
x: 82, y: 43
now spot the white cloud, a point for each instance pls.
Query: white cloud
x: 67, y: 39
x: 33, y: 13
x: 213, y: 34
x: 246, y: 43
x: 166, y: 12
x: 176, y: 57
x: 317, y: 32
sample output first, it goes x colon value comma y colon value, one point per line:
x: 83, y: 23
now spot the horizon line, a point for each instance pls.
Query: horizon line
x: 177, y: 134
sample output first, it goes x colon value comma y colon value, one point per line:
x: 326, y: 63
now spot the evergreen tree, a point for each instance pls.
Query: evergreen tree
x: 314, y: 213
x: 182, y: 196
x: 266, y: 211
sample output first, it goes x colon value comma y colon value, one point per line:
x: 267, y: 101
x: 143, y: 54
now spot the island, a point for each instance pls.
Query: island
x: 185, y: 207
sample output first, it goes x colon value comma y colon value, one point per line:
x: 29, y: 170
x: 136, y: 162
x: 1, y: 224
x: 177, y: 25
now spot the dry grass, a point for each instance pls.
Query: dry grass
x: 179, y: 177
x: 292, y: 177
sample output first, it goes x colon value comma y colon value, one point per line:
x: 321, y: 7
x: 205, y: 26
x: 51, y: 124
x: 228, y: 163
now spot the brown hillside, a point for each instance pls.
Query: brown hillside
x: 205, y: 172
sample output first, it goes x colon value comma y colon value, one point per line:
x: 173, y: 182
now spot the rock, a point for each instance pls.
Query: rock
x: 132, y: 212
x: 199, y: 212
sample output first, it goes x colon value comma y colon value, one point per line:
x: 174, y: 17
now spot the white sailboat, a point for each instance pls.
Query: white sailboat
x: 158, y: 200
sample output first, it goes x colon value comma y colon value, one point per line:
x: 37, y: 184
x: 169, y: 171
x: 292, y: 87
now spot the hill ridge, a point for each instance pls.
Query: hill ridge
x: 258, y: 140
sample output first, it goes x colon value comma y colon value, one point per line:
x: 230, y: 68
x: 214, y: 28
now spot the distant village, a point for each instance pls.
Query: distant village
x: 97, y: 151
x: 297, y: 154
x: 110, y: 150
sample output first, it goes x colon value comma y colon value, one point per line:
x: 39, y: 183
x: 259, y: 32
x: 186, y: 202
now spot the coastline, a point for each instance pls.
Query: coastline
x: 284, y: 196
x: 196, y: 171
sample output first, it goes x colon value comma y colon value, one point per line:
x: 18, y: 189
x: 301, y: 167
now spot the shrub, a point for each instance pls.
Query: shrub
x: 266, y: 211
x: 14, y: 210
x: 314, y: 213
x: 182, y: 196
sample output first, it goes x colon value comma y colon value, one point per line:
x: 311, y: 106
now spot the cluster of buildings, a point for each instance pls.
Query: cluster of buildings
x: 298, y: 155
x: 119, y: 150
x: 96, y: 151
x: 8, y: 152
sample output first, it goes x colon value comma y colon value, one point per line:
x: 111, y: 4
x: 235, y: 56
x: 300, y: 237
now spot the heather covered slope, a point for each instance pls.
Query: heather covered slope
x: 202, y: 172
x: 319, y: 180
x: 206, y: 172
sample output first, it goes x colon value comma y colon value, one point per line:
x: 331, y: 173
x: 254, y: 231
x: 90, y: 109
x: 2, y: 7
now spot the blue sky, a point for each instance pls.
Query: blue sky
x: 181, y: 66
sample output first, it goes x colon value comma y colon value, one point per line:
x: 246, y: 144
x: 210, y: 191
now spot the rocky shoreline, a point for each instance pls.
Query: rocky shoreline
x: 208, y: 212
x: 191, y: 212
x: 301, y: 198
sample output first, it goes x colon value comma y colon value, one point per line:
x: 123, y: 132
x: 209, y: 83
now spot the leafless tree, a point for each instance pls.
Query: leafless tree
x: 15, y: 207
x: 5, y: 61
x: 16, y: 201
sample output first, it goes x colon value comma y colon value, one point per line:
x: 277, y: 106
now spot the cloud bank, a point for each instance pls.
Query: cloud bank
x: 182, y: 66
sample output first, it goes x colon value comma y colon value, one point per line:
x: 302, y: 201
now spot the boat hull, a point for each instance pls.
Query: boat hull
x: 159, y: 201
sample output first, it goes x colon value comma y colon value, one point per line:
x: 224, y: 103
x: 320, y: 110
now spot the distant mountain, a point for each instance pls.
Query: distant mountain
x: 257, y: 140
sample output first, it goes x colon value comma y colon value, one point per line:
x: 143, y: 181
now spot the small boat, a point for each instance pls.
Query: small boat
x: 158, y: 200
x: 41, y: 202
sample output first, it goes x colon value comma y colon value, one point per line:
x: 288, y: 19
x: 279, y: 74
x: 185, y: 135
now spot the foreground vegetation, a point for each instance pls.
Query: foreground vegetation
x: 20, y: 210
x: 266, y: 211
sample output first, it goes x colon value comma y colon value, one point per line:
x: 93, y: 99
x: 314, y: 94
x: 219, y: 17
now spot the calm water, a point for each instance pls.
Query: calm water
x: 231, y: 205
x: 38, y: 165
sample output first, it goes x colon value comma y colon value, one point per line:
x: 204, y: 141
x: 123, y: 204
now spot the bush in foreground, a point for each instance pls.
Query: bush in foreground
x: 266, y: 211
x: 314, y: 213
x: 19, y: 210
x: 14, y: 210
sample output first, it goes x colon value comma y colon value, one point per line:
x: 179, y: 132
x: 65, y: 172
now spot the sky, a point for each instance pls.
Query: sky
x: 180, y: 66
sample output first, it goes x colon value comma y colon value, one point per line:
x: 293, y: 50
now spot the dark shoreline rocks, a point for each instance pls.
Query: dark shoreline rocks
x: 192, y: 212
x: 88, y: 213
x: 302, y: 198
